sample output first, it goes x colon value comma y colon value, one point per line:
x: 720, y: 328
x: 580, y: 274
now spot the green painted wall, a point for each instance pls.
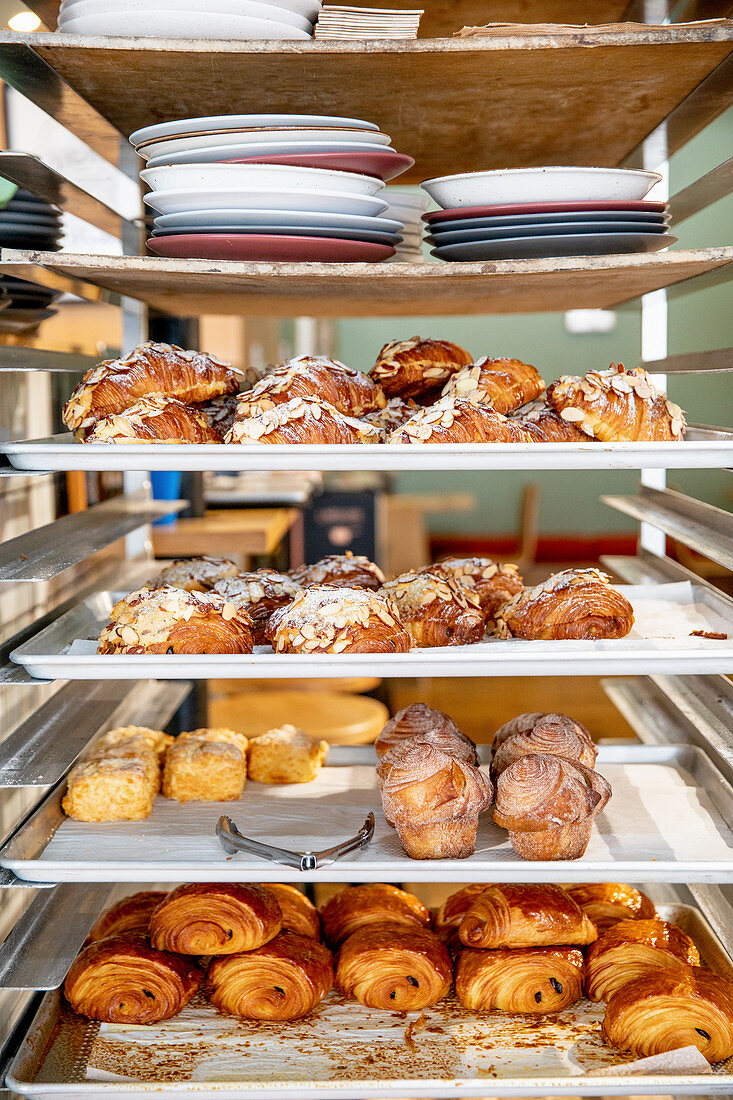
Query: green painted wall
x: 697, y: 321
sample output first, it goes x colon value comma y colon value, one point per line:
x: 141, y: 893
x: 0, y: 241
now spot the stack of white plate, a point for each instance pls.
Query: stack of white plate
x: 408, y: 208
x: 529, y: 213
x: 270, y: 187
x: 338, y: 22
x: 228, y: 19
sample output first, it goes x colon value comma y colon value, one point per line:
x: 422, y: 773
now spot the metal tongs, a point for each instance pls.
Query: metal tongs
x: 232, y: 841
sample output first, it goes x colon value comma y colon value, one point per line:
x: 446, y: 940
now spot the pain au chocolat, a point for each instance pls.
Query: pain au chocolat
x: 607, y: 903
x: 394, y: 968
x: 527, y: 980
x: 524, y: 915
x: 215, y: 919
x: 128, y: 917
x: 356, y: 907
x: 633, y: 948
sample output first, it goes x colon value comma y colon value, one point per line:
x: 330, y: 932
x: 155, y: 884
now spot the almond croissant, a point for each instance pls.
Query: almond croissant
x: 617, y: 406
x: 347, y: 390
x: 435, y: 609
x: 577, y: 603
x: 417, y: 367
x: 300, y: 420
x: 504, y: 384
x: 155, y: 419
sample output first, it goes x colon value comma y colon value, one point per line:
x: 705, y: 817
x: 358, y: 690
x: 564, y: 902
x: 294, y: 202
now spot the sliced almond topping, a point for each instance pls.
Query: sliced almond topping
x: 573, y: 416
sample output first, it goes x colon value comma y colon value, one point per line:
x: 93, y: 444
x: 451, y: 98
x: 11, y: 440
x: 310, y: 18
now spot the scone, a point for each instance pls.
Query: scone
x: 109, y: 789
x: 204, y: 770
x: 156, y: 740
x: 285, y: 755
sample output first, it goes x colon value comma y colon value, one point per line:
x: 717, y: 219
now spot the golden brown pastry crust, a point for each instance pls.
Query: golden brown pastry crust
x: 457, y: 420
x: 286, y: 755
x: 171, y: 620
x: 548, y: 804
x: 258, y: 594
x: 345, y: 570
x: 128, y: 917
x: 417, y: 367
x: 195, y: 574
x: 525, y: 723
x: 328, y: 619
x: 527, y: 980
x: 418, y: 720
x: 156, y: 419
x: 372, y: 903
x: 607, y: 903
x: 505, y: 384
x: 665, y: 1011
x: 395, y: 968
x: 204, y: 769
x: 435, y: 609
x: 349, y: 391
x: 283, y: 980
x: 155, y: 740
x: 392, y: 416
x: 544, y: 425
x: 525, y: 915
x: 219, y: 918
x: 492, y: 582
x: 114, y: 385
x: 553, y: 739
x: 577, y: 603
x: 299, y: 914
x: 617, y: 406
x: 447, y: 919
x: 301, y: 420
x: 633, y: 948
x: 122, y: 980
x: 113, y: 786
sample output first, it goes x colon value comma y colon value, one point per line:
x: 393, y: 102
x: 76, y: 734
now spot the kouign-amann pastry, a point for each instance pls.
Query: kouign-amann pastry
x: 349, y: 391
x: 554, y: 739
x: 457, y: 420
x: 299, y: 914
x: 205, y: 769
x: 195, y: 574
x: 285, y: 755
x: 577, y: 603
x: 492, y: 582
x: 218, y: 918
x: 607, y: 903
x: 155, y: 740
x: 114, y: 385
x: 434, y: 800
x: 666, y: 1011
x: 633, y: 948
x: 282, y: 980
x: 301, y: 420
x: 111, y: 788
x: 345, y: 570
x: 392, y: 416
x: 393, y: 967
x: 258, y: 594
x: 617, y: 406
x: 527, y: 980
x: 128, y: 917
x: 525, y: 915
x: 122, y: 980
x: 172, y: 620
x: 505, y: 384
x: 418, y: 720
x: 372, y: 903
x: 417, y: 367
x: 328, y: 619
x: 156, y: 419
x: 543, y: 424
x: 435, y: 609
x: 525, y: 723
x: 548, y: 804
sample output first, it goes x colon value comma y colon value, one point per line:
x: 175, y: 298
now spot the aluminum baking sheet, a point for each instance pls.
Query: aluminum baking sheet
x: 660, y: 641
x: 345, y: 1050
x: 703, y: 448
x: 670, y: 820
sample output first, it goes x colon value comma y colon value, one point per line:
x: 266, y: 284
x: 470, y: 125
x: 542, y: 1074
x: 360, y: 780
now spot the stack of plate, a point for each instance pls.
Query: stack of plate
x: 27, y: 222
x: 407, y: 208
x: 541, y: 212
x: 270, y: 187
x: 337, y: 22
x: 229, y: 19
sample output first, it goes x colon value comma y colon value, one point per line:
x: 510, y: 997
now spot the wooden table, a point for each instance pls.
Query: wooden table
x: 224, y: 532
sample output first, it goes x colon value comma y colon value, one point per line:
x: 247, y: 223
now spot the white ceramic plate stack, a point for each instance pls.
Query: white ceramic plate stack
x: 270, y: 187
x: 348, y: 23
x: 408, y: 208
x: 228, y: 19
x: 530, y: 213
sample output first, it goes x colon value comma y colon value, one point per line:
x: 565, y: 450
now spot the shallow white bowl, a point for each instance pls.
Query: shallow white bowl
x: 252, y: 9
x: 325, y: 202
x: 194, y: 143
x: 264, y: 149
x: 182, y: 24
x: 229, y: 177
x: 309, y: 9
x: 533, y: 185
x: 178, y: 126
x: 249, y: 219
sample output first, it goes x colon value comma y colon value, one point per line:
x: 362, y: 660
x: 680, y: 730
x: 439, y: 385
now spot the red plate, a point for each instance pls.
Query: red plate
x: 384, y: 165
x: 539, y: 208
x: 226, y: 246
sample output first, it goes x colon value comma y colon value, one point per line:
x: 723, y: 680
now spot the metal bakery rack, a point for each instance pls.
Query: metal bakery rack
x: 631, y: 96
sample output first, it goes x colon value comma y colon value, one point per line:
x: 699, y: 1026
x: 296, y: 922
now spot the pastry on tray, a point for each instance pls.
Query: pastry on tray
x: 492, y: 582
x: 123, y: 980
x: 543, y: 424
x: 393, y: 967
x: 418, y: 720
x: 577, y: 603
x: 527, y: 980
x: 128, y: 917
x: 664, y: 1011
x: 607, y: 903
x: 371, y: 903
x: 551, y: 738
x: 347, y: 390
x: 345, y: 570
x: 149, y: 369
x: 110, y: 787
x: 633, y: 948
x: 416, y: 367
x: 206, y: 766
x: 393, y: 415
x: 435, y: 609
x: 455, y: 419
x: 195, y: 574
x: 524, y: 915
x: 172, y: 620
x: 282, y: 980
x: 329, y: 619
x: 154, y: 419
x: 525, y: 723
x: 617, y: 406
x: 155, y: 740
x: 301, y: 420
x: 258, y: 594
x: 285, y: 755
x: 299, y: 914
x: 218, y: 918
x: 548, y: 804
x: 505, y: 384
